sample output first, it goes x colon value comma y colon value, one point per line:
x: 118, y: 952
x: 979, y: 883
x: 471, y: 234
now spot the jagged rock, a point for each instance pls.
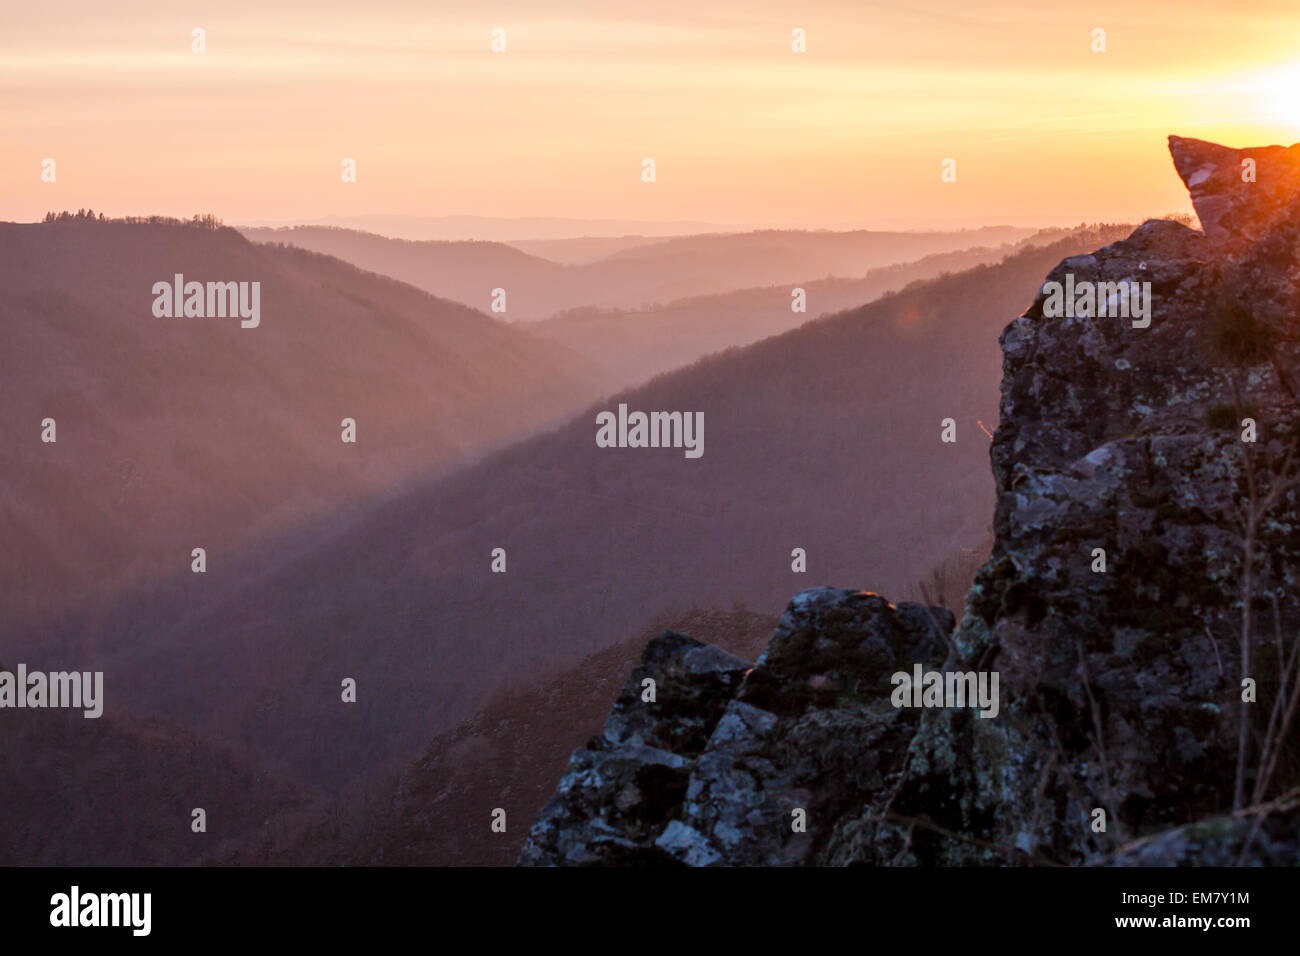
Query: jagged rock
x: 1232, y: 203
x: 809, y: 727
x: 621, y: 790
x: 1120, y: 688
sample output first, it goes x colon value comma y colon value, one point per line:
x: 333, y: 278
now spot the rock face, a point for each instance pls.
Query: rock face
x: 1139, y: 532
x: 714, y: 768
x: 1234, y: 201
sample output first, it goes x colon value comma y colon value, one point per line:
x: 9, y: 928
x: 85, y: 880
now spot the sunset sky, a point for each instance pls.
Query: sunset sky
x: 743, y: 130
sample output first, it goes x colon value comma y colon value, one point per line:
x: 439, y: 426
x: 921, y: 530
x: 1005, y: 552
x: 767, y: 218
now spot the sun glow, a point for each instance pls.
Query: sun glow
x: 1045, y: 128
x: 1279, y: 96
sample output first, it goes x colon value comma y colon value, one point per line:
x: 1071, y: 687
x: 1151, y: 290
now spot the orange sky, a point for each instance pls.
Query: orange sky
x: 742, y: 129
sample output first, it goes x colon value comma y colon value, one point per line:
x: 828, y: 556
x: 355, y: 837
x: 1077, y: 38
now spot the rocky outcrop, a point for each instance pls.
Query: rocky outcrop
x: 714, y: 768
x: 1146, y: 517
x: 1238, y: 194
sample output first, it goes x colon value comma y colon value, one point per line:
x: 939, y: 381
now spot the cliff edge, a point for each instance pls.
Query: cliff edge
x: 1123, y: 685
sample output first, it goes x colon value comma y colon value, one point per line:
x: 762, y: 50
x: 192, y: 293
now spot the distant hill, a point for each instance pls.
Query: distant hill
x: 176, y: 433
x: 631, y: 347
x: 580, y: 250
x: 511, y: 229
x: 635, y: 277
x: 825, y: 438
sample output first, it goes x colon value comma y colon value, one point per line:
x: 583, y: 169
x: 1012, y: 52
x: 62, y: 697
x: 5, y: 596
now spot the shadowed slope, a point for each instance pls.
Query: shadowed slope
x: 176, y: 433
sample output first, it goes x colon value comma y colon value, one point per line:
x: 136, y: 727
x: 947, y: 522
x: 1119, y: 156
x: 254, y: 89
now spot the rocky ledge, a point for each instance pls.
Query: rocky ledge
x: 1140, y: 609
